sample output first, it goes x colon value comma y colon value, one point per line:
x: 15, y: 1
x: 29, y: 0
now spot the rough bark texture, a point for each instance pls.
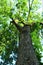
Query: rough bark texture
x: 26, y: 55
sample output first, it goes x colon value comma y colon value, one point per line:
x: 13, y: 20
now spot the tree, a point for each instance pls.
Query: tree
x: 26, y: 52
x: 23, y: 23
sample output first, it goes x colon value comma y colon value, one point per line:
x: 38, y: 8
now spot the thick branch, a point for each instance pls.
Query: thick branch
x: 33, y: 25
x: 20, y: 28
x: 17, y: 25
x: 41, y: 23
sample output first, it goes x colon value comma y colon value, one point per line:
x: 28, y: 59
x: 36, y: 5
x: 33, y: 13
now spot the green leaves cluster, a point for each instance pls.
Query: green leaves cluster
x: 7, y: 37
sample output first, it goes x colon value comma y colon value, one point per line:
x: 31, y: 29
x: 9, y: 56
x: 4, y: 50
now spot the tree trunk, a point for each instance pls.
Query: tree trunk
x: 26, y: 54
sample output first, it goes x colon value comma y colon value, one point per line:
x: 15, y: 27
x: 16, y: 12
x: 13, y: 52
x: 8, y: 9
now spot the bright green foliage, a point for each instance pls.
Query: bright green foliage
x: 7, y: 36
x: 36, y: 41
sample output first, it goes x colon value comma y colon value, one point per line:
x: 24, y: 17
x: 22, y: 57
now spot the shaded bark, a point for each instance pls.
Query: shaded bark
x: 26, y: 54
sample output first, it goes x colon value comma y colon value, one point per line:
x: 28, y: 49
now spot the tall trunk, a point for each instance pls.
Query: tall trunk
x: 26, y: 55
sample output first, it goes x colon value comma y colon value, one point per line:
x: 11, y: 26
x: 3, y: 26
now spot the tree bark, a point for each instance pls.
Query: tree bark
x: 26, y: 54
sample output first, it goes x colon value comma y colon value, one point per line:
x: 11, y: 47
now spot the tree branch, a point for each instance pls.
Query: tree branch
x: 31, y: 3
x: 30, y: 6
x: 29, y: 9
x: 17, y: 25
x: 33, y: 23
